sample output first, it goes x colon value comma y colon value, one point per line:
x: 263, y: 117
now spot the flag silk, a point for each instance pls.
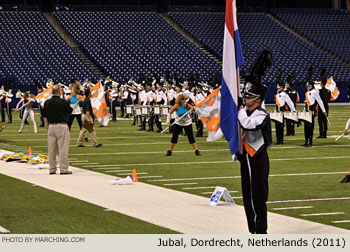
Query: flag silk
x: 44, y: 95
x: 332, y: 86
x: 232, y: 59
x: 99, y: 105
x: 209, y: 112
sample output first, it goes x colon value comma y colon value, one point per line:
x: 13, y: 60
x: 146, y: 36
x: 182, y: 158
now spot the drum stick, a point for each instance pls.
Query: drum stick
x: 176, y: 121
x: 329, y: 122
x: 339, y: 137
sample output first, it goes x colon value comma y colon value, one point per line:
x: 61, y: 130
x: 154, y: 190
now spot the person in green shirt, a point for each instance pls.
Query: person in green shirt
x: 88, y: 123
x: 56, y: 114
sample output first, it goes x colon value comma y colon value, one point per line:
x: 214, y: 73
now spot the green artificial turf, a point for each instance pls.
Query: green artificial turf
x: 293, y: 169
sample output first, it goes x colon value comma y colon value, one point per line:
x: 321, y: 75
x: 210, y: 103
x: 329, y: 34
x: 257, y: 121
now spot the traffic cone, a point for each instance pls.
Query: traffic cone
x: 30, y: 151
x: 134, y: 176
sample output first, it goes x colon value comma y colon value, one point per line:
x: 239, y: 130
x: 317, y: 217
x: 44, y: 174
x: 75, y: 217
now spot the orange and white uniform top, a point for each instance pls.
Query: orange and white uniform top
x: 282, y: 98
x: 311, y: 97
x: 256, y: 127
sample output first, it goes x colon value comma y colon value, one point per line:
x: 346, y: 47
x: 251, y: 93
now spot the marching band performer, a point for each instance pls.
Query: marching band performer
x: 142, y: 102
x: 9, y: 97
x: 294, y: 96
x: 2, y: 103
x: 256, y: 139
x: 160, y: 99
x: 181, y: 108
x: 346, y: 179
x: 74, y: 98
x: 124, y: 97
x: 198, y: 99
x: 312, y: 98
x: 114, y: 95
x: 326, y: 96
x: 281, y: 100
x: 134, y: 101
x: 150, y: 101
x: 28, y: 110
x: 171, y: 96
x: 41, y: 109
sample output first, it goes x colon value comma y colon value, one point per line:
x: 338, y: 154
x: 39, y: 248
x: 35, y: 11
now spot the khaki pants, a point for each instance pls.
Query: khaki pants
x: 58, y: 140
x: 83, y: 132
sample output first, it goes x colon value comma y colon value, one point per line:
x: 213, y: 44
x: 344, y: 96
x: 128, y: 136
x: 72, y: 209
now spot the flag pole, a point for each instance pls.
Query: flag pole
x: 238, y: 124
x: 177, y: 120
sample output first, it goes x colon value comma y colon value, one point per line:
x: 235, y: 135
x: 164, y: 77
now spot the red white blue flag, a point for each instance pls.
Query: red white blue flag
x: 232, y: 59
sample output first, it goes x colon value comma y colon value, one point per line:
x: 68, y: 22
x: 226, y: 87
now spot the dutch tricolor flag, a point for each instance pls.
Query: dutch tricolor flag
x: 232, y: 59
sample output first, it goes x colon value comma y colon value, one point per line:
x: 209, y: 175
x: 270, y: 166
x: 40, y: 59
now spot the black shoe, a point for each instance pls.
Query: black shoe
x: 198, y: 135
x: 280, y: 143
x: 304, y: 145
x: 140, y: 129
x: 158, y: 131
x: 10, y: 122
x: 308, y: 145
x: 66, y: 173
x: 26, y: 122
x: 150, y: 130
x: 168, y: 153
x: 98, y: 145
x: 346, y: 179
x: 80, y: 145
x: 197, y: 152
x: 52, y: 173
x: 114, y: 120
x: 319, y: 137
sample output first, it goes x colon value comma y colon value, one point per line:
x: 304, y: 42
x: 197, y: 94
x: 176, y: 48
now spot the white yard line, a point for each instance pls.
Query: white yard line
x: 85, y: 163
x: 196, y: 188
x: 177, y: 184
x: 307, y: 200
x: 212, y: 192
x: 342, y: 221
x: 100, y: 165
x: 142, y: 177
x: 292, y: 208
x: 321, y: 214
x: 78, y: 161
x: 142, y: 201
x: 4, y: 230
x: 139, y: 173
x: 238, y: 177
x: 104, y: 168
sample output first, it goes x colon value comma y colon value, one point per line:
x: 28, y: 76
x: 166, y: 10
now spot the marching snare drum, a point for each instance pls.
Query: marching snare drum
x: 144, y: 110
x: 156, y: 109
x: 138, y: 110
x: 276, y: 116
x: 165, y: 110
x: 129, y: 109
x: 305, y: 116
x: 291, y: 116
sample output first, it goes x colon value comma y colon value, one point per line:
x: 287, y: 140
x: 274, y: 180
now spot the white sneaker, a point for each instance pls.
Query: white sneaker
x: 19, y: 131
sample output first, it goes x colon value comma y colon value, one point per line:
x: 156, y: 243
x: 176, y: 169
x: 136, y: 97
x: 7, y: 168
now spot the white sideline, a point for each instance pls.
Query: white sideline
x: 179, y: 211
x: 4, y: 230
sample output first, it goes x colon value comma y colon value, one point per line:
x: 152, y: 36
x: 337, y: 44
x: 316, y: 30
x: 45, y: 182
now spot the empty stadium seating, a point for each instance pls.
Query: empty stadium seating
x: 328, y: 28
x: 124, y: 44
x: 30, y: 48
x: 258, y: 31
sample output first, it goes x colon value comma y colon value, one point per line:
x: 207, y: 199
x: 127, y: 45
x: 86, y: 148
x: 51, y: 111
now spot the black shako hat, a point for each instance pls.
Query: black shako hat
x: 253, y: 86
x: 309, y: 81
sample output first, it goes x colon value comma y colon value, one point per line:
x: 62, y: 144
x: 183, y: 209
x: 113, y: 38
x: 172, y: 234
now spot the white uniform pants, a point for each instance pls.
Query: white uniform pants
x: 31, y: 114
